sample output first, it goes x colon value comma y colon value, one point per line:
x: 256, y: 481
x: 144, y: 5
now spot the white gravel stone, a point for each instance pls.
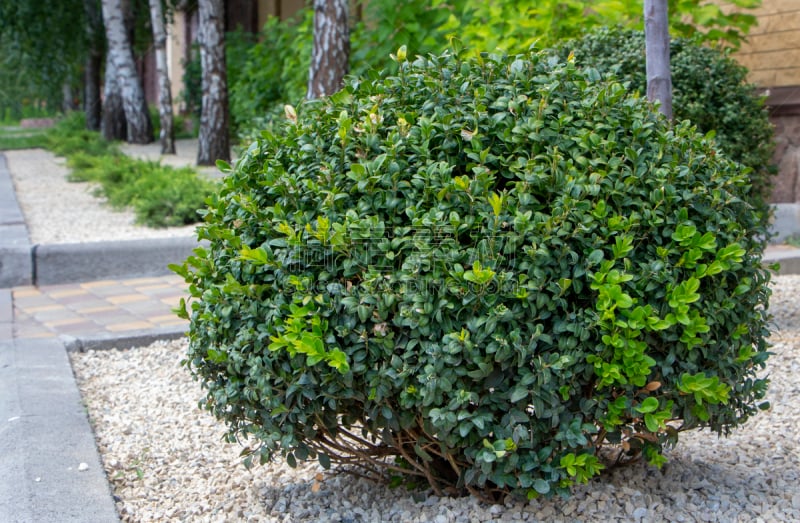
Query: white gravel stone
x: 166, y: 459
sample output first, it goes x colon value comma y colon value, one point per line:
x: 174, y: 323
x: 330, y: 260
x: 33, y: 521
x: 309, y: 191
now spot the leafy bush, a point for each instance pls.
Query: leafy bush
x: 709, y: 88
x: 485, y: 274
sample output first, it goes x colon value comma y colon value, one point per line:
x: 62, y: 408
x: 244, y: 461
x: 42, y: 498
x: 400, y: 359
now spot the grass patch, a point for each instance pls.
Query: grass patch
x: 160, y: 195
x: 18, y: 138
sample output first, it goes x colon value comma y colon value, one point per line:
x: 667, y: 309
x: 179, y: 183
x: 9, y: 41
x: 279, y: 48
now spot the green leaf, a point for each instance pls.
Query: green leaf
x: 650, y: 404
x: 651, y: 422
x: 541, y: 486
x: 518, y: 393
x: 324, y: 460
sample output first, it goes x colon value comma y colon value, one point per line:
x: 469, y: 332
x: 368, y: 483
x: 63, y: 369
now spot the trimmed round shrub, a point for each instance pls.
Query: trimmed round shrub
x: 487, y: 275
x: 709, y: 88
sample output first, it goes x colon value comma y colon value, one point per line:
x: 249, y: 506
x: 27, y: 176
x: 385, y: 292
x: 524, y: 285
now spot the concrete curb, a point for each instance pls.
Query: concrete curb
x: 120, y: 341
x: 788, y: 258
x: 80, y: 262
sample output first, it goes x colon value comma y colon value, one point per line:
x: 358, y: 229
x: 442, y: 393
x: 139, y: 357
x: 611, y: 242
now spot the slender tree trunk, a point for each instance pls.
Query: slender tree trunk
x: 140, y: 128
x: 331, y: 52
x: 93, y: 65
x: 656, y: 30
x: 213, y: 143
x: 114, y: 125
x: 167, y: 135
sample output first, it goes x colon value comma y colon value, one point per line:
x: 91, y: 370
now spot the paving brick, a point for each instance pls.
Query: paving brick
x: 66, y: 293
x: 33, y: 301
x: 100, y: 284
x: 126, y: 298
x: 25, y: 292
x: 43, y: 309
x: 130, y: 326
x: 142, y: 281
x: 64, y: 322
x: 98, y: 309
x: 76, y: 329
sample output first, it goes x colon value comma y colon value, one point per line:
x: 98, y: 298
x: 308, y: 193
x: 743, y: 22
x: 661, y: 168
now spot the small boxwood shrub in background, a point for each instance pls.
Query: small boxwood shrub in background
x: 709, y: 88
x: 487, y: 275
x: 159, y: 195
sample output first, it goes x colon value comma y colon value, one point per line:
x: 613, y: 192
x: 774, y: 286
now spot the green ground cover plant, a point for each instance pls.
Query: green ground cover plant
x: 487, y: 274
x: 160, y: 195
x: 14, y: 137
x: 710, y: 89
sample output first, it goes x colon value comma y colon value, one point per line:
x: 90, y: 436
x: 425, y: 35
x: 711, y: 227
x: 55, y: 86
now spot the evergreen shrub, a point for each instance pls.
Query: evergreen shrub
x: 709, y: 88
x: 489, y: 275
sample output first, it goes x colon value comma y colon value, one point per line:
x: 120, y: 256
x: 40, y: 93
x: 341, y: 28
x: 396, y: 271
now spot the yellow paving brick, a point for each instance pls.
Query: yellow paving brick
x: 166, y: 318
x: 41, y: 308
x: 26, y: 292
x: 93, y: 310
x: 127, y: 298
x: 68, y: 293
x: 158, y: 287
x: 66, y: 321
x: 101, y: 283
x: 130, y: 326
x: 141, y: 281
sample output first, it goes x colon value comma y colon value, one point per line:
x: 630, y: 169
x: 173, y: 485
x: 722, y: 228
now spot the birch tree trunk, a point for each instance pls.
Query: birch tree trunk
x: 167, y: 134
x: 331, y: 51
x: 656, y: 31
x: 213, y: 140
x: 140, y: 128
x: 93, y: 65
x: 114, y: 125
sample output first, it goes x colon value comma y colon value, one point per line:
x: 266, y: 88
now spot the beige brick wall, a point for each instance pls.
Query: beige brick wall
x: 772, y: 52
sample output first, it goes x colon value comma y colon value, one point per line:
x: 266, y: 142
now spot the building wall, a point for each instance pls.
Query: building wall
x: 772, y: 55
x: 772, y: 52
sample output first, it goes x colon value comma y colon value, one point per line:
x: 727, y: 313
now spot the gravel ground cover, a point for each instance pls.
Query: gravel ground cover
x: 166, y: 459
x: 58, y: 211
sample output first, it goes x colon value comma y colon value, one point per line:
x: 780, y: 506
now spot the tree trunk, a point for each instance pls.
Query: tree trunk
x: 656, y: 31
x: 167, y: 134
x: 114, y: 125
x: 140, y: 128
x: 93, y: 64
x: 331, y: 52
x: 213, y: 143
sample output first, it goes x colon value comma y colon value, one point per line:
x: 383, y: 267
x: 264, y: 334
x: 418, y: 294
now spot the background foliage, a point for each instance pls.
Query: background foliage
x: 273, y: 70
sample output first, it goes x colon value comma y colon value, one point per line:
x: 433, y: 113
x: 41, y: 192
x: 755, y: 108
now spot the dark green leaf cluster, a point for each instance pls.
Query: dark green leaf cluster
x: 480, y: 274
x: 709, y: 89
